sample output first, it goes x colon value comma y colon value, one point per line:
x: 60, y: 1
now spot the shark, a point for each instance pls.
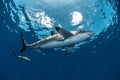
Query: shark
x: 25, y: 58
x: 21, y: 57
x: 63, y: 38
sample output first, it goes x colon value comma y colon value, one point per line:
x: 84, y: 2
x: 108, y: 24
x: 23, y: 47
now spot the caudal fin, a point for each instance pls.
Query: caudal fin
x: 23, y: 43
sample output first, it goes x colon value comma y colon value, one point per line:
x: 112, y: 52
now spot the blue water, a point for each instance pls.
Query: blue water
x: 95, y: 59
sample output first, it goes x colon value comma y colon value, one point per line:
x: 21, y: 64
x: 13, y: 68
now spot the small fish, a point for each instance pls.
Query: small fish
x: 24, y: 57
x: 21, y: 57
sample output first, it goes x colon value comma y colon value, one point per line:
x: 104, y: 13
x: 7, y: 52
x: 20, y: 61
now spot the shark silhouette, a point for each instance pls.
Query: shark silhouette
x: 63, y: 38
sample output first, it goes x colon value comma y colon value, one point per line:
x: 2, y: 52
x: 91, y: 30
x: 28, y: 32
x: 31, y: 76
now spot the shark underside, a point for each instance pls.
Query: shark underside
x: 63, y: 38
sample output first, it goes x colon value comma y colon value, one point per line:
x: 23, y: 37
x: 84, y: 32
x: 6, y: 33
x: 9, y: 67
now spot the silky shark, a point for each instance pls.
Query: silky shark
x: 63, y: 38
x: 21, y: 57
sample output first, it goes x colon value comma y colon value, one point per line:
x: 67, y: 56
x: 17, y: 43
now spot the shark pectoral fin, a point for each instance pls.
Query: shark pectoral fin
x: 52, y: 33
x: 69, y: 49
x: 63, y: 32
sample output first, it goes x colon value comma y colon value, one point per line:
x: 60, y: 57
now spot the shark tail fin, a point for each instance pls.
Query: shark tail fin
x: 24, y: 43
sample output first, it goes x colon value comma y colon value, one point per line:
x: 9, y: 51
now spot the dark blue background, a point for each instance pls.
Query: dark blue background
x: 87, y: 63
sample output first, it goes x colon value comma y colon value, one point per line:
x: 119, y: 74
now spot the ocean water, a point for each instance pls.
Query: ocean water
x: 95, y: 59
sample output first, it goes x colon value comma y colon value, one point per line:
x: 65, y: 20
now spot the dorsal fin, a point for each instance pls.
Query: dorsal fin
x: 52, y: 32
x: 63, y: 32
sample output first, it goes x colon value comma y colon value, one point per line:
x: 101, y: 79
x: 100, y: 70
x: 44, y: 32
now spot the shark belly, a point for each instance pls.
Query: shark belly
x: 54, y: 44
x: 77, y: 39
x: 61, y: 43
x: 65, y: 43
